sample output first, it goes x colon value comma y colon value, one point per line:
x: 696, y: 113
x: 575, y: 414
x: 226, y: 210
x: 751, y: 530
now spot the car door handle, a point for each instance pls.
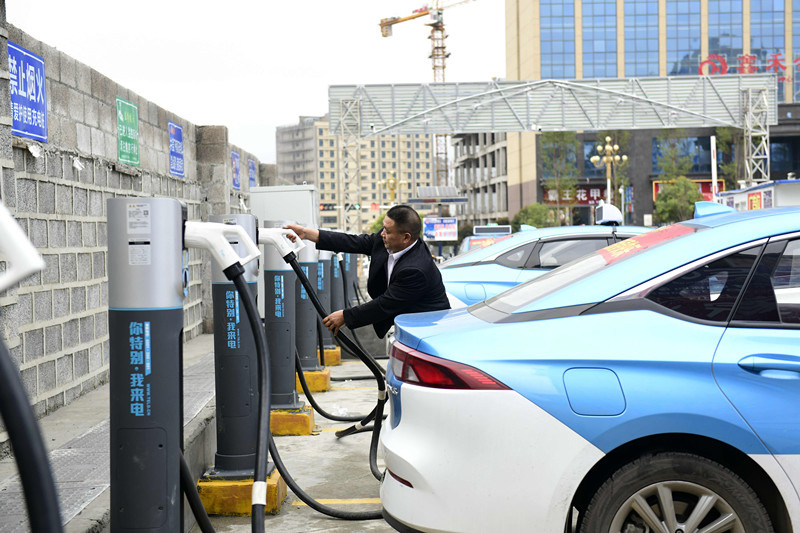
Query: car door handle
x: 759, y: 363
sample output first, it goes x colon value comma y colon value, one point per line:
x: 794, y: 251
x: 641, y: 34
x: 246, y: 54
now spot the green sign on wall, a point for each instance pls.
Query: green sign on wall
x: 127, y: 132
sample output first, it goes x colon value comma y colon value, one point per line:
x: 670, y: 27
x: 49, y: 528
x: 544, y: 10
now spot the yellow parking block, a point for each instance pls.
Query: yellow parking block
x: 333, y: 356
x: 317, y: 380
x: 233, y: 498
x: 292, y: 421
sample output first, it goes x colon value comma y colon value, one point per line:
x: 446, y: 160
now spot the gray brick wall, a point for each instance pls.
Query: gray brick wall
x: 55, y: 323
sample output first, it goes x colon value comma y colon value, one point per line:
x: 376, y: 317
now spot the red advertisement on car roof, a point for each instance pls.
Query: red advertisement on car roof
x: 622, y: 249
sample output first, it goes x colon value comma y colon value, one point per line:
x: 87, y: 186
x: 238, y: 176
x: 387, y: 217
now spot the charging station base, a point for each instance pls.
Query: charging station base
x: 233, y: 498
x: 317, y: 380
x: 292, y: 421
x: 333, y: 356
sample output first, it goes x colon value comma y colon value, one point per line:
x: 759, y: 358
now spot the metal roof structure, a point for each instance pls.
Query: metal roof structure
x: 553, y: 105
x: 746, y: 101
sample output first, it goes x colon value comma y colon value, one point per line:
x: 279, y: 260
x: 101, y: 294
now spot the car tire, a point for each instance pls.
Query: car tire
x: 674, y: 493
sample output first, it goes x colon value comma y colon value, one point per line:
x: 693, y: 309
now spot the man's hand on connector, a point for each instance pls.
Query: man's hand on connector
x: 309, y: 234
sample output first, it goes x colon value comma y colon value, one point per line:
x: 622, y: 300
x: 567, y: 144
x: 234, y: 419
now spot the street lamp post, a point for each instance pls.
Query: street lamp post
x: 393, y: 184
x: 608, y: 156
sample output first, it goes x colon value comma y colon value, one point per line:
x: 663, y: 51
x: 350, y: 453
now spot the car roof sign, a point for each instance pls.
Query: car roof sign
x: 622, y: 249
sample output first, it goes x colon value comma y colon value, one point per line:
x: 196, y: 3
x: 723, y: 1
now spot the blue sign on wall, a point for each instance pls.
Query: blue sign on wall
x: 237, y: 185
x: 251, y: 171
x: 176, y: 150
x: 28, y: 89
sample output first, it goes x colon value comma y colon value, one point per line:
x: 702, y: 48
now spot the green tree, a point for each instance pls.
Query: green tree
x: 673, y: 161
x: 559, y: 160
x: 675, y: 202
x: 730, y: 145
x: 378, y: 224
x: 536, y: 215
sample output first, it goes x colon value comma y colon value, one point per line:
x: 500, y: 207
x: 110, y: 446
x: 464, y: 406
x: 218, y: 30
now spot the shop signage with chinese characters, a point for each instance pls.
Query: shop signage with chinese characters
x: 581, y: 195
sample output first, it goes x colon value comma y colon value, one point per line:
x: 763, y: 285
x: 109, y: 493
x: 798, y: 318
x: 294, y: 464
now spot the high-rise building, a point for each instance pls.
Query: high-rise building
x: 295, y: 151
x: 479, y: 166
x: 309, y: 152
x: 580, y: 39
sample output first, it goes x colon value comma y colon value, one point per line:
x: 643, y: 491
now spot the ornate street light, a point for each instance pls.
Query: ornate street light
x: 608, y: 156
x: 393, y: 184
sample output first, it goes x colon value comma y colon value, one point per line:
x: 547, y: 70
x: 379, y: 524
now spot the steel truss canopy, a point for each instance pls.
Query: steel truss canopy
x: 554, y: 105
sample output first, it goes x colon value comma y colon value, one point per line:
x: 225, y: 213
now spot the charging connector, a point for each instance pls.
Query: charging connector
x: 213, y: 236
x: 278, y: 237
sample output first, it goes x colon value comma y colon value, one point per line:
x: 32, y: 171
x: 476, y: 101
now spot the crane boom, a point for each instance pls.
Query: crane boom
x: 438, y: 56
x: 386, y: 24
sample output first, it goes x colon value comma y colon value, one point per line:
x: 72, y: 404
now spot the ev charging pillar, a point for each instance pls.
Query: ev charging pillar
x: 146, y: 291
x: 351, y: 276
x: 235, y: 365
x: 337, y: 287
x: 279, y: 321
x: 324, y: 280
x: 305, y: 314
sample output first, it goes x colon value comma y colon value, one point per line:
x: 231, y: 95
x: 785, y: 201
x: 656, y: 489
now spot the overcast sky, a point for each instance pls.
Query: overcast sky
x: 254, y: 65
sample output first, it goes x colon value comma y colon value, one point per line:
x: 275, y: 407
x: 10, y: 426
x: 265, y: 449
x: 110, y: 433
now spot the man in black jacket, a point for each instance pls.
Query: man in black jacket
x: 402, y: 275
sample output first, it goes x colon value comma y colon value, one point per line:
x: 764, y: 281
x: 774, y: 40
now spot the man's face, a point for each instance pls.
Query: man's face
x: 393, y: 239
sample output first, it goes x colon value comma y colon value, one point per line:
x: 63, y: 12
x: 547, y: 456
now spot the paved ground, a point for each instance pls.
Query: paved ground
x: 327, y: 468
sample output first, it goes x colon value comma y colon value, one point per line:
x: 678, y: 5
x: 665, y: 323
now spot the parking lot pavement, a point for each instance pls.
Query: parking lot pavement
x: 328, y: 469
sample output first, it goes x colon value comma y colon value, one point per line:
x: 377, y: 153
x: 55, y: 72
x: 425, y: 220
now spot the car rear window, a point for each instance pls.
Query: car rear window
x: 523, y: 295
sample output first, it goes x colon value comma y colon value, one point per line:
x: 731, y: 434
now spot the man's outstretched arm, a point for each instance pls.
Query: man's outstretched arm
x: 309, y: 234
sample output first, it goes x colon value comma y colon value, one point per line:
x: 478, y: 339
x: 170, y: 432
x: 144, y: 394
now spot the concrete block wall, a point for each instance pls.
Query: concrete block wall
x: 215, y: 175
x: 55, y: 323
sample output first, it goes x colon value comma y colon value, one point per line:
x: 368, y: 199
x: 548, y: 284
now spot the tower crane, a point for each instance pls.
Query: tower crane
x: 438, y: 56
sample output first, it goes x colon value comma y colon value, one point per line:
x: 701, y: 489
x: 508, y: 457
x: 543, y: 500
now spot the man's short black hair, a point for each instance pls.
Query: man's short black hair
x: 406, y: 219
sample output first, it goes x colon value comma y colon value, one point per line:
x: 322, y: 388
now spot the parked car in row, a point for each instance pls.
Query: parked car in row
x: 650, y: 386
x: 483, y: 236
x: 482, y: 273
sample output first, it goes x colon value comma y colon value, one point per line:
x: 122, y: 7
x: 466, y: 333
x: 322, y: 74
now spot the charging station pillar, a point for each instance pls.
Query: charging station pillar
x: 351, y: 277
x: 235, y: 365
x: 324, y: 280
x: 146, y: 291
x: 337, y: 287
x: 305, y: 313
x: 279, y: 321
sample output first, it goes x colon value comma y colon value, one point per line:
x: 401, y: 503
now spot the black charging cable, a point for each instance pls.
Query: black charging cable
x: 347, y: 305
x: 193, y: 497
x: 263, y: 359
x: 41, y: 497
x: 235, y: 273
x: 304, y: 384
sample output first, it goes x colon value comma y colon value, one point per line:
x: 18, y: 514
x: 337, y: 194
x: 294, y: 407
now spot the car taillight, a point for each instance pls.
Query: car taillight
x: 412, y: 366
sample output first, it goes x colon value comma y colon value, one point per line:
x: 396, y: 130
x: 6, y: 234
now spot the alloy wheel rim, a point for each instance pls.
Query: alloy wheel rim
x: 676, y: 507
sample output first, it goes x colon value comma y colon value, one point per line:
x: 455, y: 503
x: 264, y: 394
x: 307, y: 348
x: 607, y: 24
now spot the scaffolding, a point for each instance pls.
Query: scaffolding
x: 349, y: 157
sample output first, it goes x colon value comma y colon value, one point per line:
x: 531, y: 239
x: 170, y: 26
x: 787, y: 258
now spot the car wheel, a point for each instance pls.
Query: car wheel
x: 675, y: 493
